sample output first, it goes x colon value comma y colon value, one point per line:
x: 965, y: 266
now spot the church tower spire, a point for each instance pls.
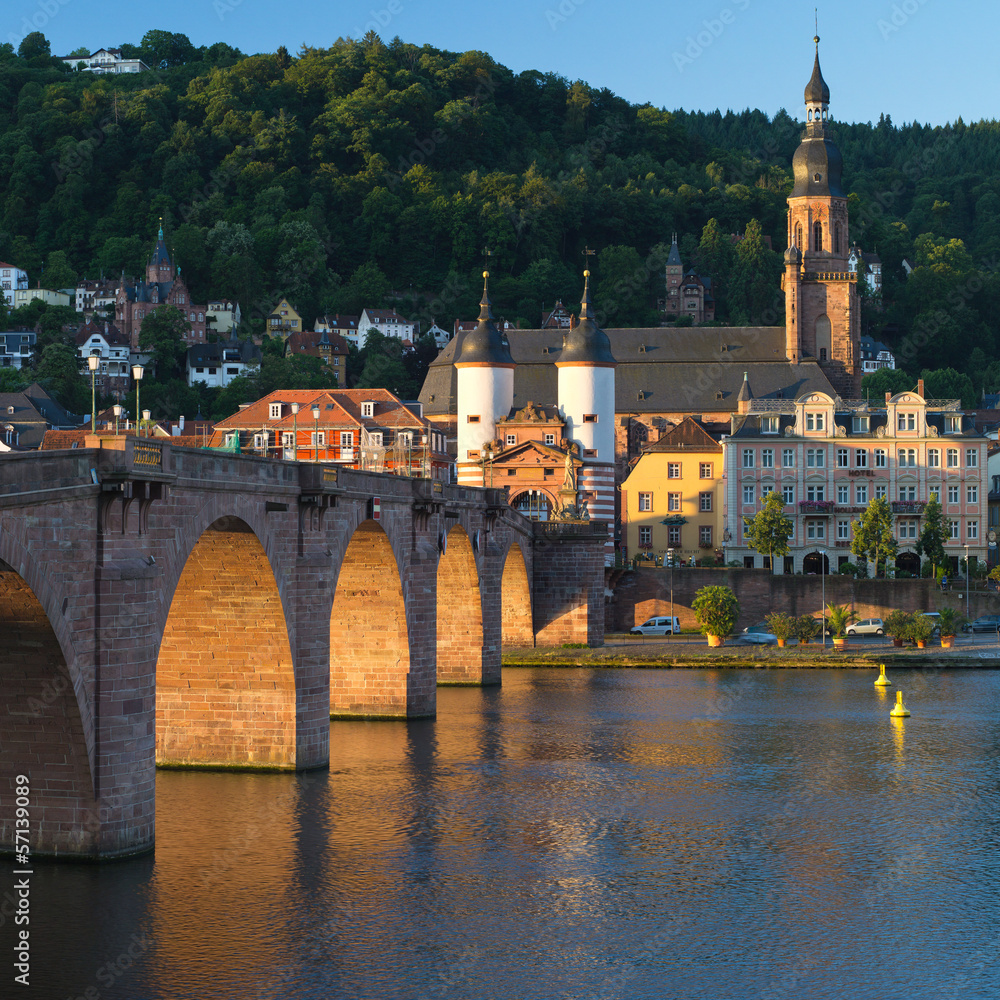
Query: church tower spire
x: 822, y: 317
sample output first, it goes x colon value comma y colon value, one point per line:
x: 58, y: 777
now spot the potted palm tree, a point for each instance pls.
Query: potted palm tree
x: 806, y: 628
x: 838, y: 617
x: 782, y: 625
x: 717, y: 610
x: 949, y: 620
x: 899, y: 624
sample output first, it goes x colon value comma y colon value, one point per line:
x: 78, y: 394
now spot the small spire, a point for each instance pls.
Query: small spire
x: 485, y: 310
x: 161, y: 228
x: 585, y: 302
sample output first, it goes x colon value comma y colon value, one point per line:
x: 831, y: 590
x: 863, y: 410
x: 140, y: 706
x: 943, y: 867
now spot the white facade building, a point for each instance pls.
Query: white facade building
x: 105, y: 61
x: 388, y: 322
x: 11, y: 279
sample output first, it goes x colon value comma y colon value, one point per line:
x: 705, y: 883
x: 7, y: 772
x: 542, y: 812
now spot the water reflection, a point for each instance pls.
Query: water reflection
x: 574, y: 833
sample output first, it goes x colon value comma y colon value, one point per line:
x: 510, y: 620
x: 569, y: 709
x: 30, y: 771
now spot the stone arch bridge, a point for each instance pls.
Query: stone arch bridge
x: 184, y: 607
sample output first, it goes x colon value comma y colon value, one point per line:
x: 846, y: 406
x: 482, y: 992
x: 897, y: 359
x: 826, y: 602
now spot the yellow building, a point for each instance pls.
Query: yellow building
x: 283, y: 320
x: 672, y: 499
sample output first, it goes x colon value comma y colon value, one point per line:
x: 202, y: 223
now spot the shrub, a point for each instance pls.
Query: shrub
x: 807, y: 628
x: 782, y: 625
x: 838, y: 617
x: 921, y: 628
x: 716, y: 609
x: 848, y: 569
x: 950, y: 621
x: 899, y: 624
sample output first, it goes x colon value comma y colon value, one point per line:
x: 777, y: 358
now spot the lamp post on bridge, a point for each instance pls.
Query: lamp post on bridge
x: 295, y: 432
x: 145, y: 420
x: 822, y: 569
x: 315, y: 412
x: 137, y: 371
x: 117, y: 410
x: 92, y: 363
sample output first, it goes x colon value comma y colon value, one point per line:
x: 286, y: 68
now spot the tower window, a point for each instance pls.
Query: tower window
x: 473, y: 418
x: 798, y: 235
x: 590, y: 418
x: 836, y: 238
x: 817, y: 236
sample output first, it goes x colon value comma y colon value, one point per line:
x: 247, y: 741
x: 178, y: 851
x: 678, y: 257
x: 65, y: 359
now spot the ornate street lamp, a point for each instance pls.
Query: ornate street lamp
x: 295, y: 432
x: 145, y: 420
x: 92, y: 363
x: 822, y: 569
x: 117, y: 409
x: 315, y: 412
x: 137, y: 375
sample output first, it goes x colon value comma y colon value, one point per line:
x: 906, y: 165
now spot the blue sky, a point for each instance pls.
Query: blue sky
x: 924, y: 60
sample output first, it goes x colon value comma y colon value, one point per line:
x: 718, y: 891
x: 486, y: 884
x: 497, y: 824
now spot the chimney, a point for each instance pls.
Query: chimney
x: 920, y: 387
x: 888, y: 396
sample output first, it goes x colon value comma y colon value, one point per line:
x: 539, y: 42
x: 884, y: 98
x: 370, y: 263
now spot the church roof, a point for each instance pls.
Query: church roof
x: 674, y: 368
x: 160, y: 254
x: 674, y: 257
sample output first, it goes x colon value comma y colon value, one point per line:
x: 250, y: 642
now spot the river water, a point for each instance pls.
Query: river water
x: 573, y: 834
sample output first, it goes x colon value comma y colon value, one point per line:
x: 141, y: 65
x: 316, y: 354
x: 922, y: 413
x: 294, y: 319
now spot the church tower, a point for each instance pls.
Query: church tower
x: 822, y: 313
x: 586, y: 397
x: 485, y: 391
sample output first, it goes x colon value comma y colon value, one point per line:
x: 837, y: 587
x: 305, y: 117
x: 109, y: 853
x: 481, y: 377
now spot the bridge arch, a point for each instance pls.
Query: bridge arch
x: 516, y: 618
x: 46, y: 733
x: 225, y: 681
x: 459, y: 612
x: 369, y: 639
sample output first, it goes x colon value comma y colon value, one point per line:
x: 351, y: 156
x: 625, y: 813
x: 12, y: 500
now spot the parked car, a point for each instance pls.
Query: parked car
x: 759, y: 627
x: 867, y: 626
x: 660, y: 625
x: 984, y: 623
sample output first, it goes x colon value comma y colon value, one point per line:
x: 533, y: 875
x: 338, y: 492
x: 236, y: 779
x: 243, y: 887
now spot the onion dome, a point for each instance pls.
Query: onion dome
x: 793, y: 255
x: 817, y: 164
x: 586, y: 343
x: 485, y: 345
x: 817, y: 92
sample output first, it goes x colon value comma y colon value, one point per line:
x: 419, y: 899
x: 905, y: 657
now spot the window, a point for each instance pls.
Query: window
x: 767, y: 458
x: 971, y: 458
x: 972, y: 530
x: 705, y: 501
x: 511, y: 439
x: 860, y: 458
x: 880, y: 461
x: 287, y: 439
x: 673, y: 470
x: 816, y: 493
x: 972, y: 494
x: 748, y: 495
x: 817, y: 237
x: 815, y: 530
x: 952, y: 494
x: 907, y: 493
x: 843, y: 495
x: 473, y: 418
x: 590, y: 418
x: 346, y: 440
x: 843, y: 530
x: 275, y: 411
x: 788, y: 458
x: 861, y: 494
x: 748, y: 458
x: 907, y: 529
x: 645, y: 536
x: 705, y: 535
x: 645, y: 501
x: 881, y: 492
x: 674, y: 502
x: 673, y: 534
x: 550, y: 439
x: 368, y: 409
x: 815, y: 458
x: 788, y: 494
x: 322, y: 441
x: 933, y: 458
x: 952, y: 458
x: 842, y: 456
x: 376, y: 439
x: 907, y: 458
x: 906, y: 421
x: 769, y: 425
x: 952, y: 424
x: 814, y: 421
x: 705, y: 470
x: 953, y: 529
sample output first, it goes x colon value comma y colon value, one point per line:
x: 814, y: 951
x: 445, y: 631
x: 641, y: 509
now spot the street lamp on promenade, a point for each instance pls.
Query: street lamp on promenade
x: 295, y: 432
x: 137, y: 371
x: 92, y: 363
x: 670, y: 554
x: 145, y: 420
x: 966, y: 581
x: 117, y: 410
x: 315, y: 412
x: 822, y: 569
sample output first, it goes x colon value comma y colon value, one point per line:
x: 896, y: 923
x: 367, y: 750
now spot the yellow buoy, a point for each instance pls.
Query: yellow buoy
x: 882, y: 680
x: 899, y: 710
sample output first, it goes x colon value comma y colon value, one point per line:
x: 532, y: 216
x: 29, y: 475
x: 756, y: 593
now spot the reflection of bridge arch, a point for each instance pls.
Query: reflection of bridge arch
x: 516, y: 617
x: 534, y: 504
x: 43, y: 734
x: 225, y: 687
x: 369, y: 643
x: 459, y: 613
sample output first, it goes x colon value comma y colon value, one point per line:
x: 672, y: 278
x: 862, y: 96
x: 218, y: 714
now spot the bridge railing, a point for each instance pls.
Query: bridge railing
x: 556, y: 529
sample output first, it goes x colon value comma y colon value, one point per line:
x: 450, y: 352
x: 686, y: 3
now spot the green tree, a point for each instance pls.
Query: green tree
x: 715, y: 260
x: 58, y: 373
x: 716, y: 609
x: 58, y: 273
x: 873, y: 534
x: 755, y: 288
x: 769, y: 529
x: 163, y: 49
x: 875, y: 385
x: 12, y: 380
x: 34, y: 45
x: 162, y: 337
x: 933, y: 534
x: 946, y: 383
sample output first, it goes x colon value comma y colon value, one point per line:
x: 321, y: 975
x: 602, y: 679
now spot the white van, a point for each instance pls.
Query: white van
x: 662, y: 625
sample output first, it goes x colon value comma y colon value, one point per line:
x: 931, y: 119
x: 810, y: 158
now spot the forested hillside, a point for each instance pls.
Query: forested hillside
x: 345, y: 175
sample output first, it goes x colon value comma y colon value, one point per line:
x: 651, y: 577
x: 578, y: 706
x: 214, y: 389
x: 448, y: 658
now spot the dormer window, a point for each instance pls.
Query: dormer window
x: 769, y: 425
x: 275, y: 411
x: 815, y: 421
x: 953, y: 423
x: 906, y: 421
x: 861, y: 425
x: 368, y: 409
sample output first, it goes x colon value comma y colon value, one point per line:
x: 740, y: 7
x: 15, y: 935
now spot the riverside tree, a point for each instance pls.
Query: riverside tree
x: 873, y: 534
x: 930, y: 545
x: 769, y: 529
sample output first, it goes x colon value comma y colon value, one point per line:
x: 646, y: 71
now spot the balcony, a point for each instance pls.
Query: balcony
x: 815, y: 506
x: 908, y: 507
